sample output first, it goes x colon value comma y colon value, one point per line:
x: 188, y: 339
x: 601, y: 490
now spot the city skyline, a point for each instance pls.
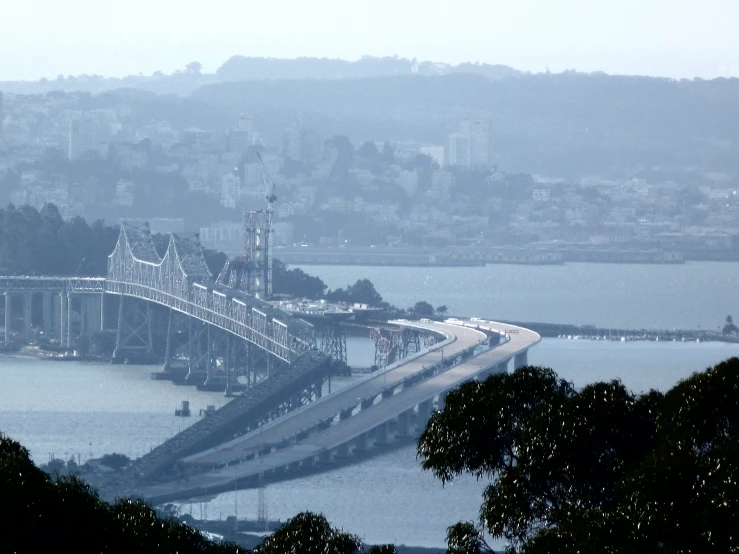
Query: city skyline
x: 44, y: 39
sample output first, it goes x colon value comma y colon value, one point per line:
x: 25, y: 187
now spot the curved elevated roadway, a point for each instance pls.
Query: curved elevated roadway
x: 356, y: 418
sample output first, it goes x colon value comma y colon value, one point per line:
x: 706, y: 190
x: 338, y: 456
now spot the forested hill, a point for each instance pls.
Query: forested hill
x: 41, y: 243
x: 244, y: 68
x: 586, y: 121
x: 34, y: 242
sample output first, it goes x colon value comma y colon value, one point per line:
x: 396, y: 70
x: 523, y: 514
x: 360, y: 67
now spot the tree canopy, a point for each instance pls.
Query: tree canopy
x: 41, y: 513
x: 361, y: 292
x: 596, y: 470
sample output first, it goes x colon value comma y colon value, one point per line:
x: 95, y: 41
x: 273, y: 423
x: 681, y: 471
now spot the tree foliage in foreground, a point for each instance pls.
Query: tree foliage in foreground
x: 45, y: 514
x: 599, y: 469
x: 40, y: 513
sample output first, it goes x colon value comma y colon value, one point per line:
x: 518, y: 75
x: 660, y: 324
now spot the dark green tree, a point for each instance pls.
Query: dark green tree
x: 600, y: 469
x: 442, y: 310
x: 295, y: 282
x: 361, y: 292
x: 729, y: 327
x: 115, y: 461
x: 422, y: 309
x: 308, y: 533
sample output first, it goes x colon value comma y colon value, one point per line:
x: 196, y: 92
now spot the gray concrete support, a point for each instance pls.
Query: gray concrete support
x: 47, y: 313
x: 91, y: 309
x: 343, y: 450
x: 403, y: 425
x: 27, y: 315
x: 494, y: 339
x: 69, y: 321
x: 362, y: 442
x: 521, y: 359
x: 502, y: 367
x: 8, y: 311
x: 424, y: 413
x: 56, y: 318
x: 63, y: 319
x: 326, y: 457
x: 382, y: 434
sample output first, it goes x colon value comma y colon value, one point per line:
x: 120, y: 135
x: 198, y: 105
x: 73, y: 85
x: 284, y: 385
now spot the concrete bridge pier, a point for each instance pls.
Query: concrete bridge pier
x: 344, y: 450
x: 91, y: 314
x: 326, y: 457
x: 8, y: 309
x: 27, y: 315
x: 424, y: 413
x: 382, y: 433
x: 47, y: 315
x: 403, y: 425
x: 494, y: 339
x: 56, y: 317
x: 362, y: 442
x: 63, y: 319
x: 502, y: 367
x: 521, y: 359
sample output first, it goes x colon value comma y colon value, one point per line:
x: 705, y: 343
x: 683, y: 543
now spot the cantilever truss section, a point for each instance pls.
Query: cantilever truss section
x: 181, y: 281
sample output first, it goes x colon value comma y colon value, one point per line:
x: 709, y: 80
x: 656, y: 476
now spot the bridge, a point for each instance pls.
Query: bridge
x: 180, y: 284
x: 374, y: 412
x: 281, y: 423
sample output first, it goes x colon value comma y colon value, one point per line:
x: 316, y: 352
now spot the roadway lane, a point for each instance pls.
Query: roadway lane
x: 330, y: 406
x: 349, y: 429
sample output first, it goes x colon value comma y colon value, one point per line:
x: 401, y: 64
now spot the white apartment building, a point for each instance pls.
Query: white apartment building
x: 471, y: 145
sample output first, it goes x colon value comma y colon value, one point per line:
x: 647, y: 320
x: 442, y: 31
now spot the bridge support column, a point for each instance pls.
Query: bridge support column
x: 382, y: 434
x: 8, y: 311
x: 56, y: 317
x: 47, y: 313
x: 521, y: 359
x: 424, y: 413
x: 403, y: 425
x: 27, y: 315
x: 502, y: 367
x: 344, y: 450
x: 494, y: 339
x: 69, y: 321
x: 134, y: 340
x: 63, y: 319
x: 362, y: 442
x: 92, y: 309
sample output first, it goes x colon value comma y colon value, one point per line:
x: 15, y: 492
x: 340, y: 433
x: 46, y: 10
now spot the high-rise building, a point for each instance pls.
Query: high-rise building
x: 294, y: 139
x: 436, y: 153
x: 471, y: 146
x: 460, y: 150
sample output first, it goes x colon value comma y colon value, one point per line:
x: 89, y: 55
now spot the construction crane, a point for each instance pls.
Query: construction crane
x: 270, y: 190
x: 252, y: 272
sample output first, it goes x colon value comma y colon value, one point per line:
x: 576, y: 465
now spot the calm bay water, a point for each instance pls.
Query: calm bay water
x: 84, y: 409
x: 632, y: 296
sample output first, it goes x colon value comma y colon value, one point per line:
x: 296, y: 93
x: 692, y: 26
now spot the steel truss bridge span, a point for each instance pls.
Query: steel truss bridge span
x: 181, y: 281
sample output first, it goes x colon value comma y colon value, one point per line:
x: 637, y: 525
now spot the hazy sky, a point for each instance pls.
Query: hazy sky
x: 676, y: 38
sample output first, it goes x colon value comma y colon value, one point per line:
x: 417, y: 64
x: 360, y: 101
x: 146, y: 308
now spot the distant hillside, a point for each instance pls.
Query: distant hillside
x: 566, y: 123
x: 242, y: 68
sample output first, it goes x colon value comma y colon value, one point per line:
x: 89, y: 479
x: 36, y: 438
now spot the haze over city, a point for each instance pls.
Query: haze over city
x: 678, y: 38
x: 369, y: 277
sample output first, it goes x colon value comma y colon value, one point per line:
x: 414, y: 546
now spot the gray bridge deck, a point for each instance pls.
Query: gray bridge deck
x: 310, y: 442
